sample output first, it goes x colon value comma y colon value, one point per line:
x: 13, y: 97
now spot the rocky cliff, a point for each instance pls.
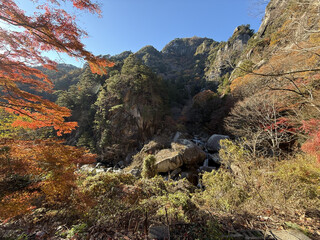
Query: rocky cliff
x: 225, y: 56
x: 197, y: 58
x: 289, y: 32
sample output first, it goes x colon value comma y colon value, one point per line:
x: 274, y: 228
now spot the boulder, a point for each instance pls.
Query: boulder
x: 191, y: 154
x: 213, y: 143
x: 168, y: 160
x: 214, y: 159
x: 152, y: 147
x: 201, y: 144
x: 175, y: 172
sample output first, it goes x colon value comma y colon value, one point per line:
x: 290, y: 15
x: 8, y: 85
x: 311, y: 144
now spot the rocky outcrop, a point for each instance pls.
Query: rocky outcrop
x: 152, y: 58
x: 227, y: 54
x: 183, y: 46
x: 182, y: 152
x: 272, y: 15
x: 182, y: 57
x: 197, y: 57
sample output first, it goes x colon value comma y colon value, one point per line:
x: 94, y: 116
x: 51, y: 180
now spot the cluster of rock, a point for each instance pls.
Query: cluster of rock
x: 181, y: 158
x: 94, y: 169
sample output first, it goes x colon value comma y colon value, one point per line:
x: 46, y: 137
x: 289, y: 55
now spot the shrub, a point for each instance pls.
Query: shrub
x: 149, y: 169
x: 290, y: 186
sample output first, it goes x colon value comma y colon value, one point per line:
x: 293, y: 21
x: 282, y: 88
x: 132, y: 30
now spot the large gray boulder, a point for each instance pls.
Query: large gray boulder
x: 213, y: 143
x: 182, y: 152
x: 168, y: 160
x: 191, y: 154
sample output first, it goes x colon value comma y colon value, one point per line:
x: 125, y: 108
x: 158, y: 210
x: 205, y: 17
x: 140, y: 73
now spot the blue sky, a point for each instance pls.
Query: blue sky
x: 133, y: 24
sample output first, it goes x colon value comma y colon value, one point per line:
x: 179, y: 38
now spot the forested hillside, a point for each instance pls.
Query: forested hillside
x: 165, y: 81
x: 201, y: 140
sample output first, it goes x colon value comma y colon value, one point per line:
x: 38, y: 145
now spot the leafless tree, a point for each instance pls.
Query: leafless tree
x: 259, y: 120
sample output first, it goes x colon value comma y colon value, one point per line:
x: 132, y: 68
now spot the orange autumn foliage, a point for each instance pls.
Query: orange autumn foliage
x: 48, y: 169
x: 293, y: 63
x: 22, y: 42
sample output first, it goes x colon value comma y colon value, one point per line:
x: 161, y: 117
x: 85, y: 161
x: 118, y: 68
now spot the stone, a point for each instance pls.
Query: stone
x: 99, y: 165
x: 206, y: 163
x: 121, y: 164
x: 175, y: 172
x: 159, y: 232
x: 99, y: 170
x: 135, y: 172
x: 87, y: 168
x: 191, y: 154
x: 207, y: 169
x: 176, y: 136
x: 213, y: 143
x: 199, y: 143
x: 215, y: 158
x: 168, y: 160
x: 290, y: 234
x: 117, y: 170
x: 151, y: 147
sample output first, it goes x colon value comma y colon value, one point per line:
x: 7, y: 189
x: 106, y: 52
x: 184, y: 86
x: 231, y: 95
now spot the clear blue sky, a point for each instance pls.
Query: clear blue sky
x: 133, y: 24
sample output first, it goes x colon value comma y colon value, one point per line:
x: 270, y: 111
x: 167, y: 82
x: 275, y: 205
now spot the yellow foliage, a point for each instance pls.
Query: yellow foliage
x: 288, y: 185
x: 6, y: 128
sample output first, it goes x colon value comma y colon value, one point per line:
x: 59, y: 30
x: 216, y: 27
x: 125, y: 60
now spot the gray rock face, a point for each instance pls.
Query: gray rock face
x: 177, y: 57
x: 272, y: 13
x: 213, y: 143
x: 228, y: 53
x: 196, y: 57
x: 183, y: 46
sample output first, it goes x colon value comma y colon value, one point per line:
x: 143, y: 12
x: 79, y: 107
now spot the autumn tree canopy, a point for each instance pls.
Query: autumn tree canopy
x: 23, y: 38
